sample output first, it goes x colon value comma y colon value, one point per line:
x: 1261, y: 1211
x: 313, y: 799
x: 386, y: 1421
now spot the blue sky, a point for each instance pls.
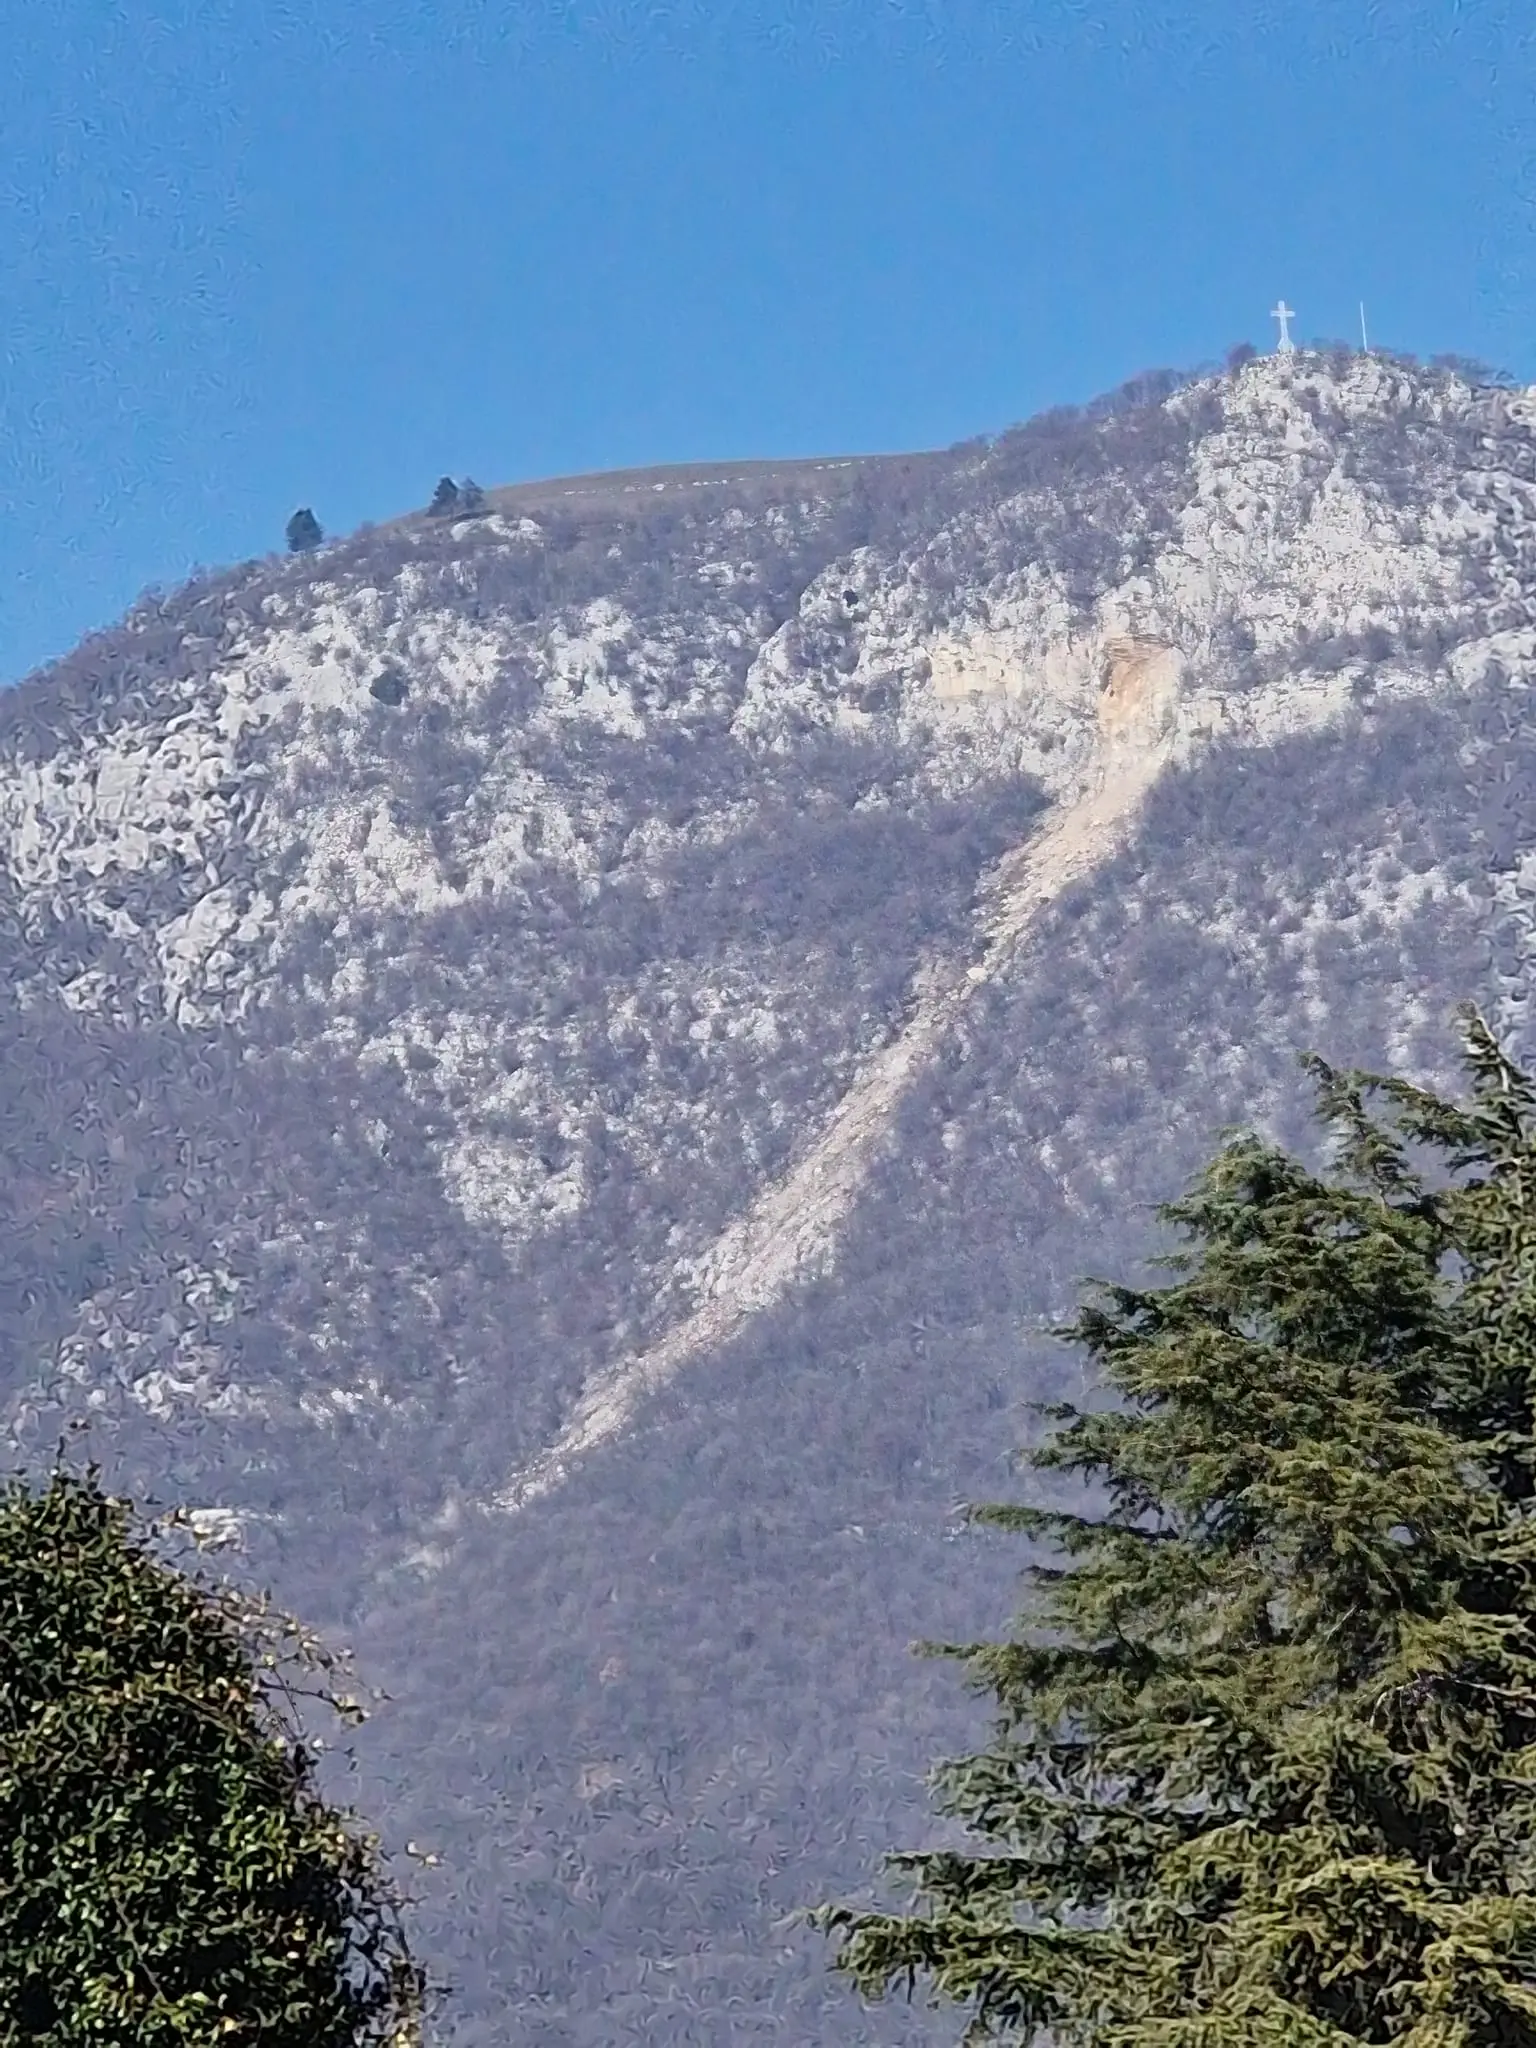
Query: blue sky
x: 257, y: 255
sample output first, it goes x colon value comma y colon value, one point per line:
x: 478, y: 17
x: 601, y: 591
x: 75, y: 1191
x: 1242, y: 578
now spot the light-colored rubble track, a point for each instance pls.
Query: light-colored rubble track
x: 790, y: 1231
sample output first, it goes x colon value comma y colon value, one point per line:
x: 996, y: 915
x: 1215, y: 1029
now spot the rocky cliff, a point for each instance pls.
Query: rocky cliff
x: 557, y: 1062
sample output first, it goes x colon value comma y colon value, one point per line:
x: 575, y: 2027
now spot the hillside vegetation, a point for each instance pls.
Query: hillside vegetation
x: 559, y: 1062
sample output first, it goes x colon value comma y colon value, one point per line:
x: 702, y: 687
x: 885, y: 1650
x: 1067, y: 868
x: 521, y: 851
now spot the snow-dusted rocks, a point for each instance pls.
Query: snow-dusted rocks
x: 274, y: 829
x: 766, y: 935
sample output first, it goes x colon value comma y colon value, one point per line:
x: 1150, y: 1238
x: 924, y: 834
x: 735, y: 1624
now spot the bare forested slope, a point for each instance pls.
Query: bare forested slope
x: 555, y: 1065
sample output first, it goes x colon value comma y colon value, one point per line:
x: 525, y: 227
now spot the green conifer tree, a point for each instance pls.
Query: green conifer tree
x: 168, y: 1877
x: 303, y: 532
x: 1264, y: 1770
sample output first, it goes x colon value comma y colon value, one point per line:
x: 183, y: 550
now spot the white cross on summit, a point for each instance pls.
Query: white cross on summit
x: 1285, y: 315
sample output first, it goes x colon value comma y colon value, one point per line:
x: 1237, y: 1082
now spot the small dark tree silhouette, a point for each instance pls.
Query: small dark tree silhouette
x: 389, y: 687
x: 304, y: 532
x: 471, y: 497
x: 445, y: 498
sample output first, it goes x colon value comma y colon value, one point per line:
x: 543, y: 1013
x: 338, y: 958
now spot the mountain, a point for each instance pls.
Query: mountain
x: 558, y: 1063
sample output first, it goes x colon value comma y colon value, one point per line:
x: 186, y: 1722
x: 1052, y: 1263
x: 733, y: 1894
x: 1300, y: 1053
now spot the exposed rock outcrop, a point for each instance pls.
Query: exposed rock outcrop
x: 655, y: 1065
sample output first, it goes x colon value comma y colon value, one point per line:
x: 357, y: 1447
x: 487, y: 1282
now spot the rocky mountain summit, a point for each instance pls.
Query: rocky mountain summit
x: 557, y: 1064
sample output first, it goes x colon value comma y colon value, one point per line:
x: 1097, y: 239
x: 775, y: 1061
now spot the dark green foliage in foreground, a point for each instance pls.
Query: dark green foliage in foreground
x: 1265, y: 1768
x: 167, y: 1877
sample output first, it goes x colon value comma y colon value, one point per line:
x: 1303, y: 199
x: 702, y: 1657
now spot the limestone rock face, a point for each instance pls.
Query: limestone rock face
x: 556, y: 1064
x: 1140, y: 698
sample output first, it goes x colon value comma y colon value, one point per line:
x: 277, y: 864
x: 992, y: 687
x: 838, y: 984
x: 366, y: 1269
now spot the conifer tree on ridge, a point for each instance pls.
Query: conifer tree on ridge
x: 303, y: 532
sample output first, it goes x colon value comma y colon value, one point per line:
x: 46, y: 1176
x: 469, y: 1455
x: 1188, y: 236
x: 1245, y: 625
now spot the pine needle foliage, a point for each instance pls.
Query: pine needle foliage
x: 303, y: 532
x: 1264, y: 1768
x: 167, y: 1875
